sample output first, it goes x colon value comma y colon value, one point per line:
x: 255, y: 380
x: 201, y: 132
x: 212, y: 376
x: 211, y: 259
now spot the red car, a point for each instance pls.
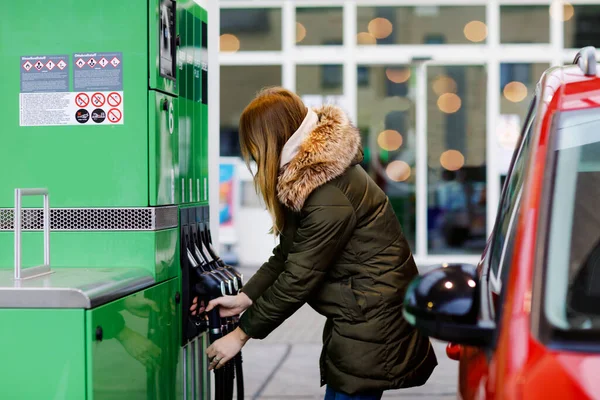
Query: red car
x: 525, y: 322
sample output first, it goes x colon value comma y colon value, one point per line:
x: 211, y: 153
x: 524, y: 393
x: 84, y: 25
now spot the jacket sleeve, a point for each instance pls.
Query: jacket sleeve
x: 322, y: 233
x: 266, y: 275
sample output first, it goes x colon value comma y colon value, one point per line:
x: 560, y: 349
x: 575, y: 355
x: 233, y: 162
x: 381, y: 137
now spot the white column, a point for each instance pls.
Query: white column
x: 213, y: 117
x: 350, y: 84
x: 557, y: 28
x: 288, y: 44
x: 421, y: 162
x: 492, y: 111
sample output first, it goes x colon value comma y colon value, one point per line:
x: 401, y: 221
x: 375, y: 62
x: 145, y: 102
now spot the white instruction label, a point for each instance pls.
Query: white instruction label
x: 71, y: 108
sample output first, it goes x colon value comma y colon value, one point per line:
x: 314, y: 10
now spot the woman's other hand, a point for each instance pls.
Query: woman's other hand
x: 230, y: 305
x: 226, y: 348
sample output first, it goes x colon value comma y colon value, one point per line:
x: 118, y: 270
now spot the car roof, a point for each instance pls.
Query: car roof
x: 577, y: 85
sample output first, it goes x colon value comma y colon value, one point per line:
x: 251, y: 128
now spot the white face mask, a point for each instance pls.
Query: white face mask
x: 291, y: 147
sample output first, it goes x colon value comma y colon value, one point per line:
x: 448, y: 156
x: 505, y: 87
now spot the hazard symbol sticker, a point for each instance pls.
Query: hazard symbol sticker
x: 114, y: 99
x: 99, y: 72
x: 44, y: 73
x: 98, y: 99
x: 114, y: 115
x: 80, y: 63
x: 82, y: 100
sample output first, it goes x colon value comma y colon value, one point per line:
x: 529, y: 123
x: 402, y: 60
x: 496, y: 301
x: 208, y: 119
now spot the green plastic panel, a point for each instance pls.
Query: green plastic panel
x: 138, y: 355
x: 82, y: 166
x: 157, y: 252
x: 163, y: 124
x: 43, y: 354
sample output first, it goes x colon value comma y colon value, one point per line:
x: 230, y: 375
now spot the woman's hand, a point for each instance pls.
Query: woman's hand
x: 226, y: 348
x: 230, y: 305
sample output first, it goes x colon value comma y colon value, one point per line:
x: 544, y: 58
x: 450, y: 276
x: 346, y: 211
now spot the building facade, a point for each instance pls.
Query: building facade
x: 438, y: 89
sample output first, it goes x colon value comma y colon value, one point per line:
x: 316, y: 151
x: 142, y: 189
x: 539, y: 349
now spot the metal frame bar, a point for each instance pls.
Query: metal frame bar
x: 20, y: 272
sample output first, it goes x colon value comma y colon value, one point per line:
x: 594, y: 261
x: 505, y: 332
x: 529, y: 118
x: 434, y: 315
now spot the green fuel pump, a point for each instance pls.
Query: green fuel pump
x: 105, y: 115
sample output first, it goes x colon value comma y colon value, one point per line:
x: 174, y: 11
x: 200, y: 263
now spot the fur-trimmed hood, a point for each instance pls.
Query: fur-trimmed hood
x: 328, y: 150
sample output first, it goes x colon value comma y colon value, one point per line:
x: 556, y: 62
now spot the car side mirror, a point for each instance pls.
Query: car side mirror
x: 444, y: 304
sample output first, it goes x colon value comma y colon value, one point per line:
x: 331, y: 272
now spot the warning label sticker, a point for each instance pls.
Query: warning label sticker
x: 71, y: 108
x: 44, y: 74
x: 98, y: 71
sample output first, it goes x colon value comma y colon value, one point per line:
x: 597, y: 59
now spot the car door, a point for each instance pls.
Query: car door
x: 496, y: 263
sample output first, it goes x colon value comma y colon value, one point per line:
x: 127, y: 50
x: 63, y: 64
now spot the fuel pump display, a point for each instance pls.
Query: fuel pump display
x: 105, y: 113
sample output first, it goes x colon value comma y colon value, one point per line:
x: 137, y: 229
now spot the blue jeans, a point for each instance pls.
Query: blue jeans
x: 331, y: 394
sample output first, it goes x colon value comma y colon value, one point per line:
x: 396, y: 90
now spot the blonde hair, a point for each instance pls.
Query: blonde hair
x: 266, y: 125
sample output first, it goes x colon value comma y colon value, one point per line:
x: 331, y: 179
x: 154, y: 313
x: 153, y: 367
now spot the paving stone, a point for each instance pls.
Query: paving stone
x: 259, y: 363
x: 298, y: 375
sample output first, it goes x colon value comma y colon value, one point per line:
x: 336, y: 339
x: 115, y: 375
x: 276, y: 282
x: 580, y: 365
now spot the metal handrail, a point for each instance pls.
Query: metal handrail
x: 20, y: 272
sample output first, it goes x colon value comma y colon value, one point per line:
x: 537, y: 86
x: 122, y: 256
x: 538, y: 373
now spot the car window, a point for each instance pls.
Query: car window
x: 572, y: 287
x: 505, y: 229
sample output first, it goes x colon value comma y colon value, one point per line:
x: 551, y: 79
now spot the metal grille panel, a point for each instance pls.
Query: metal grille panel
x: 94, y: 219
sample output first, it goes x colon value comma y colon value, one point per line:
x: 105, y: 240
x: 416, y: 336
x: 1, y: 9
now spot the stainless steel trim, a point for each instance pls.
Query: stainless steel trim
x: 185, y: 383
x: 72, y: 287
x: 94, y: 219
x: 183, y: 190
x: 192, y: 191
x: 25, y: 273
x: 215, y: 331
x: 198, y: 189
x: 194, y: 355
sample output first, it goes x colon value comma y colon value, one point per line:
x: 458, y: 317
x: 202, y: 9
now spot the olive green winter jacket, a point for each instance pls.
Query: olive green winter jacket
x: 342, y: 251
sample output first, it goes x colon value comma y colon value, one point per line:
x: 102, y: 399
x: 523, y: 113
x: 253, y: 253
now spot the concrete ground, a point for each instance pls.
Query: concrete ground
x: 286, y: 364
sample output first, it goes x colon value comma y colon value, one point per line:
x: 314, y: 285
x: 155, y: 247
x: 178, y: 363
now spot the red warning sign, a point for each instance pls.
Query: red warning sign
x: 50, y: 65
x: 27, y: 66
x: 82, y: 100
x: 80, y: 63
x: 115, y: 62
x: 103, y: 62
x: 114, y: 99
x: 114, y: 115
x: 98, y: 99
x: 61, y: 64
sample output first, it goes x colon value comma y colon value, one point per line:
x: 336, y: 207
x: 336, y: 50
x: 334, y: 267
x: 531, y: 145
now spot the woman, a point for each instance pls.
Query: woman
x: 341, y: 250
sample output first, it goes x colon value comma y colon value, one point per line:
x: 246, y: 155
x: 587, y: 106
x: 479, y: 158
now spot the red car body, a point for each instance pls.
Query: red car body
x: 521, y: 366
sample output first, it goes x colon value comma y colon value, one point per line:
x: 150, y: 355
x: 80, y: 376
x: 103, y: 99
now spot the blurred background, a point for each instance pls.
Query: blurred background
x: 438, y: 89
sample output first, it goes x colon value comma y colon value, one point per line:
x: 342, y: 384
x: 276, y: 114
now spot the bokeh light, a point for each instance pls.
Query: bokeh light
x: 449, y: 103
x: 444, y: 84
x: 476, y: 31
x: 390, y: 140
x: 515, y: 91
x: 398, y: 171
x: 300, y: 32
x: 380, y: 28
x: 567, y: 9
x: 452, y: 160
x: 365, y: 38
x: 398, y: 75
x: 229, y: 43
